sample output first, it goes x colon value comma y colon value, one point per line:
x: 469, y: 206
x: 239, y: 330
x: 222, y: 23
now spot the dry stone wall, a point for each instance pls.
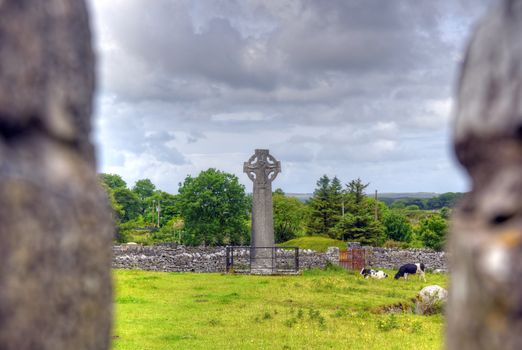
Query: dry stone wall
x: 392, y: 258
x: 197, y: 259
x: 172, y: 258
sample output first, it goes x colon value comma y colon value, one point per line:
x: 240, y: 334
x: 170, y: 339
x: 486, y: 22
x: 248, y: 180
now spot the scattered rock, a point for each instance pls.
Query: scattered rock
x: 430, y: 300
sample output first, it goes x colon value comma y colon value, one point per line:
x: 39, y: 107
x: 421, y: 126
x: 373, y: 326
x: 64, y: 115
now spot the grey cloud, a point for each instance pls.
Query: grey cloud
x: 194, y: 136
x: 341, y: 82
x: 157, y: 145
x: 352, y: 38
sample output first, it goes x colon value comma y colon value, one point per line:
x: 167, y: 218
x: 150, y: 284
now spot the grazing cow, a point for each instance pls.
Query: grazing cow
x: 373, y: 273
x: 411, y: 269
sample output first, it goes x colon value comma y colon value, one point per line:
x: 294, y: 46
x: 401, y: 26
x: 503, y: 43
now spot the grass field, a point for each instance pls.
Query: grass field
x: 317, y: 243
x: 317, y: 310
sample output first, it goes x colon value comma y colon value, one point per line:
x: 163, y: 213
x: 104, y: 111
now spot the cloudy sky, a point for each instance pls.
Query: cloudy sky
x: 352, y: 88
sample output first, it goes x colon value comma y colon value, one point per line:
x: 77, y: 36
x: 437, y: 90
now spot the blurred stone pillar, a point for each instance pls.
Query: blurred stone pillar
x: 55, y: 231
x: 485, y: 301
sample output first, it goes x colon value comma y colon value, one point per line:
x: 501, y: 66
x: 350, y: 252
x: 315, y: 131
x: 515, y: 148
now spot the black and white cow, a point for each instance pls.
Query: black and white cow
x: 411, y: 269
x: 373, y: 273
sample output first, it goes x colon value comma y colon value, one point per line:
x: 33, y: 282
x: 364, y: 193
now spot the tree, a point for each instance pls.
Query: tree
x: 130, y: 203
x: 397, y: 226
x: 360, y: 227
x: 325, y: 207
x: 359, y: 222
x: 214, y: 209
x: 319, y: 217
x: 355, y: 189
x: 117, y: 208
x: 289, y: 216
x: 166, y: 203
x: 169, y: 205
x: 336, y: 200
x: 112, y: 181
x: 432, y: 232
x: 144, y: 188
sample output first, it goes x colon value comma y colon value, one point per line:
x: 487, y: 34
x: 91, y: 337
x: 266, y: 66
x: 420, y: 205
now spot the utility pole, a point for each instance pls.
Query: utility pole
x: 159, y: 212
x: 376, y: 207
x: 152, y: 209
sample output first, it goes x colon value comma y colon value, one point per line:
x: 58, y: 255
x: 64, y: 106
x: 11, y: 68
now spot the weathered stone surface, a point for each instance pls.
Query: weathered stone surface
x: 485, y: 302
x: 430, y: 300
x: 262, y: 168
x: 55, y: 282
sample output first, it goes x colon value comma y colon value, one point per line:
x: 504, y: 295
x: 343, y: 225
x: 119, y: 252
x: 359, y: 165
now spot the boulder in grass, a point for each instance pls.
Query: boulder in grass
x: 430, y: 300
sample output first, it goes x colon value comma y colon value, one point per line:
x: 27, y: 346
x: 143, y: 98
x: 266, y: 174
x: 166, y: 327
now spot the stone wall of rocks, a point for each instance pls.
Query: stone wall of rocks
x: 172, y: 258
x: 392, y: 258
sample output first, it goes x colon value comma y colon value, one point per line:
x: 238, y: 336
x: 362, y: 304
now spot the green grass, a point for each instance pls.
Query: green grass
x: 318, y: 310
x: 317, y: 243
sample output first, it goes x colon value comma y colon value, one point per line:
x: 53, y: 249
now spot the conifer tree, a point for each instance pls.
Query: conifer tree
x: 359, y: 223
x: 318, y: 223
x: 325, y: 206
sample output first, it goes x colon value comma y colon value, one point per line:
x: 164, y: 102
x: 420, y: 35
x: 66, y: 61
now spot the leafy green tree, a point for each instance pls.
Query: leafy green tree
x: 399, y: 204
x: 278, y: 191
x: 445, y: 212
x: 397, y: 227
x: 117, y: 211
x: 166, y: 203
x: 171, y: 231
x: 112, y: 181
x: 130, y: 203
x: 448, y: 199
x: 214, y: 208
x: 117, y: 208
x: 289, y: 216
x: 169, y: 205
x: 144, y: 188
x: 432, y: 232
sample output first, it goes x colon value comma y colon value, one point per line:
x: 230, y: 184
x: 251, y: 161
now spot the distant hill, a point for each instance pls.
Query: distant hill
x: 421, y: 195
x: 303, y: 197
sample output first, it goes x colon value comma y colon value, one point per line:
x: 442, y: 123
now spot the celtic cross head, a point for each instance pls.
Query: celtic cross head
x: 262, y: 168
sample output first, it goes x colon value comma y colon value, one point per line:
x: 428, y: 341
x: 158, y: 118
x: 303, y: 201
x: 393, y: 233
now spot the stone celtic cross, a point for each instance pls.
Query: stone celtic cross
x: 262, y: 168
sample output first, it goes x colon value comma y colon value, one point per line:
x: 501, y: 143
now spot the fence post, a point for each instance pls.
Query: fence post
x: 227, y: 259
x: 296, y: 259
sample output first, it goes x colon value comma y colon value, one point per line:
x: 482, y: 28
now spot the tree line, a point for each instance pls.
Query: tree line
x: 445, y: 200
x: 348, y: 214
x: 213, y: 208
